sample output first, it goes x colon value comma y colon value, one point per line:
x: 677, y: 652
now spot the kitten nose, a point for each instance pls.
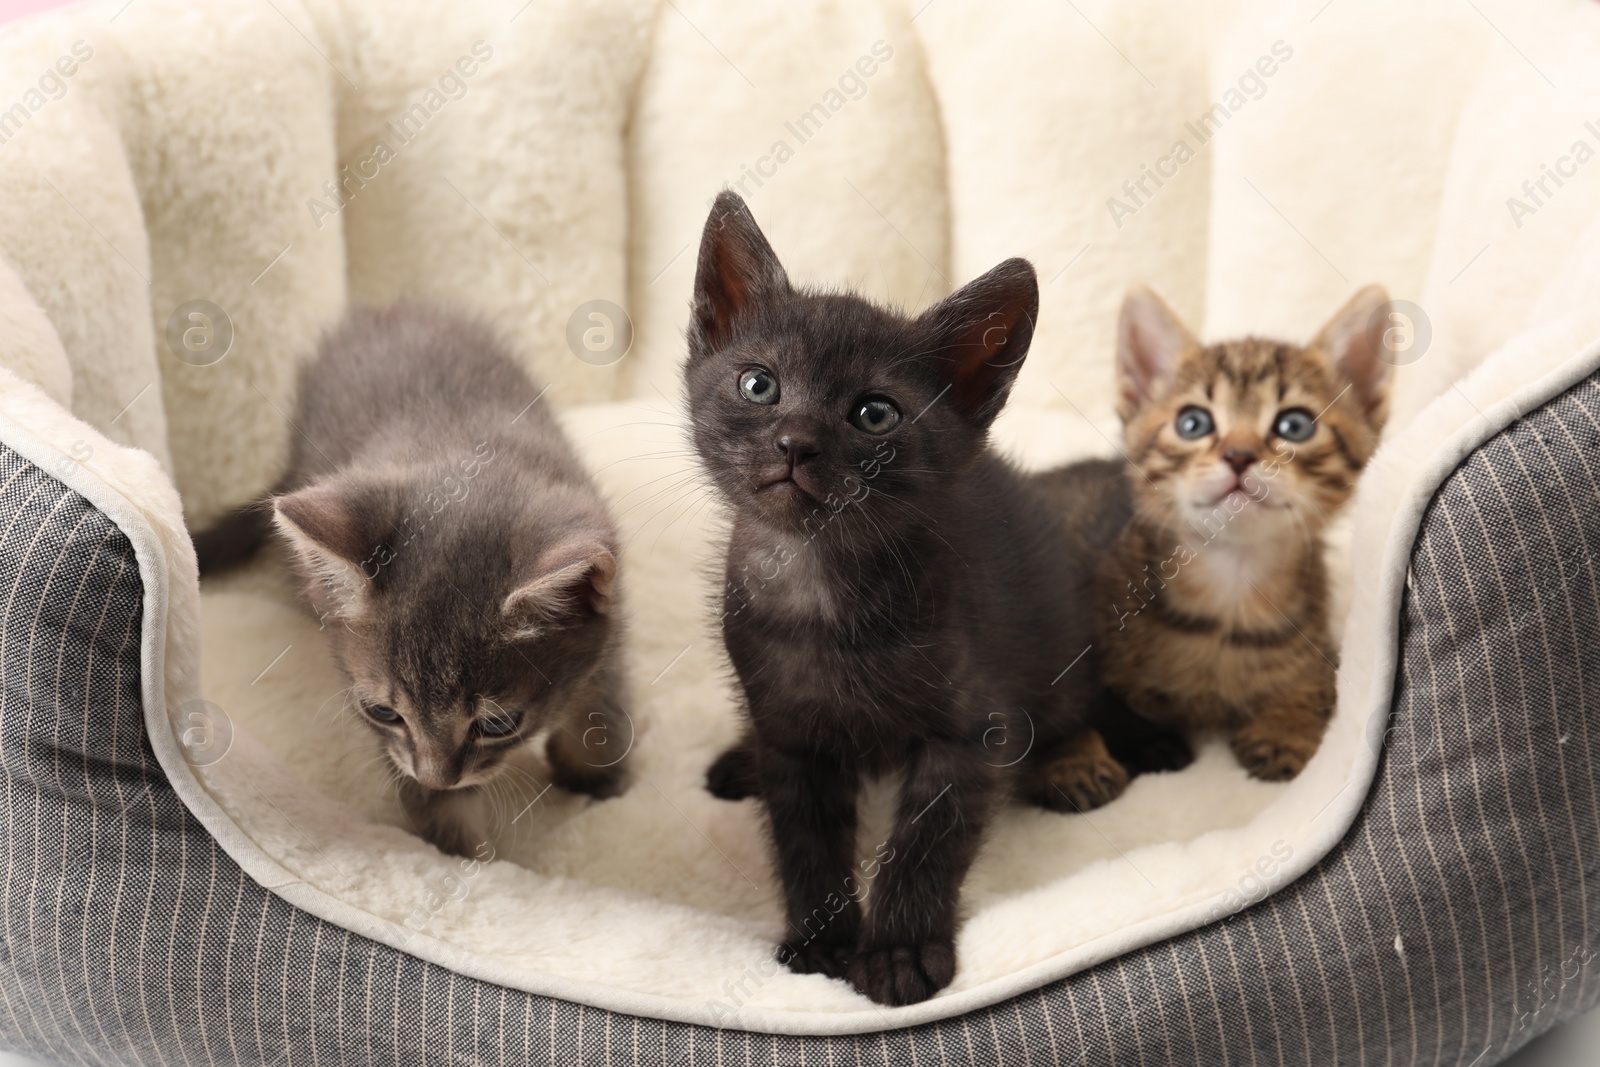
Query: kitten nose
x: 435, y: 781
x: 1238, y: 458
x: 435, y: 775
x: 797, y: 448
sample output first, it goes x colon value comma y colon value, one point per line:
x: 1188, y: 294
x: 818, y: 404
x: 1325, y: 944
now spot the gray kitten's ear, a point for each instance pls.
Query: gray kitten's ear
x: 571, y: 581
x: 984, y: 329
x: 1151, y: 339
x: 1353, y: 341
x: 736, y: 268
x: 337, y: 531
x: 322, y: 518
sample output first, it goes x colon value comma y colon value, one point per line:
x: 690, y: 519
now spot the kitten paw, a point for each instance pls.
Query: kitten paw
x: 454, y: 821
x: 456, y: 840
x: 815, y: 957
x: 588, y: 754
x: 1161, y: 751
x: 733, y: 775
x: 601, y: 783
x: 1271, y: 753
x: 1083, y: 782
x: 903, y: 974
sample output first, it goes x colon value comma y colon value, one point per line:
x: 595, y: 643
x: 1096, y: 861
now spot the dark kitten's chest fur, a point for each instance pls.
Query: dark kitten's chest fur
x: 954, y: 634
x: 896, y: 598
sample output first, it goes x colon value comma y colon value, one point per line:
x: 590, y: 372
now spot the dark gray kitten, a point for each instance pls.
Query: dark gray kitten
x: 462, y: 561
x: 898, y: 596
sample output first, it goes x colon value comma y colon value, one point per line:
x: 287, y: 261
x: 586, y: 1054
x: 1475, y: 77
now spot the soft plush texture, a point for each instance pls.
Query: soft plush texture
x: 574, y: 165
x: 139, y: 939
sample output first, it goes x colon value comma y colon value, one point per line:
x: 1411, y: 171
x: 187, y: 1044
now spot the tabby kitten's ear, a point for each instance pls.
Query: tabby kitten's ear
x: 1151, y: 340
x: 338, y: 531
x: 1353, y: 341
x: 984, y: 329
x: 737, y: 268
x: 571, y: 580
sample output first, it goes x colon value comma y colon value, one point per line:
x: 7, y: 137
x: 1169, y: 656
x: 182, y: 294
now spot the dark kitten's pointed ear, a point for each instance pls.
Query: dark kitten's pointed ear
x: 736, y: 269
x: 572, y: 580
x: 984, y: 329
x: 1151, y: 339
x: 1353, y: 341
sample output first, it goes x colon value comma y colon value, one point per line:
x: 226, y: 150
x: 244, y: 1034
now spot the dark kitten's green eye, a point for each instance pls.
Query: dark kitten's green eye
x: 497, y: 725
x: 876, y: 416
x: 383, y: 713
x: 1296, y: 424
x: 1194, y: 423
x: 759, y: 386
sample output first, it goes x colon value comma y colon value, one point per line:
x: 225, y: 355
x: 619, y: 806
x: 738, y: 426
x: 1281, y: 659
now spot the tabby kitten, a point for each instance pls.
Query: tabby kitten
x: 462, y: 561
x: 891, y: 602
x: 1211, y: 601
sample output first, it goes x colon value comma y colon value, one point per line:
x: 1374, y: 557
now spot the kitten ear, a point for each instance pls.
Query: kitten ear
x: 323, y: 518
x: 337, y: 531
x: 984, y: 329
x: 1353, y: 340
x: 737, y: 267
x: 1151, y: 339
x: 572, y: 580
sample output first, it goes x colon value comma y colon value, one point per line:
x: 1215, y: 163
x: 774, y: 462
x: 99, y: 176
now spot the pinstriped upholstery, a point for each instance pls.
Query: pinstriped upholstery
x: 1451, y: 925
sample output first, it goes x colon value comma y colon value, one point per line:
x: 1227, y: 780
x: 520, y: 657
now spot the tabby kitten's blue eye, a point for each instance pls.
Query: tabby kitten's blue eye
x: 759, y: 386
x: 875, y: 416
x: 497, y: 725
x: 383, y: 713
x: 1296, y: 424
x: 1194, y: 423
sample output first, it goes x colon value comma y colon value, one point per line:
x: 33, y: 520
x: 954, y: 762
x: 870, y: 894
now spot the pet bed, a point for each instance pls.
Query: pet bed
x: 202, y: 864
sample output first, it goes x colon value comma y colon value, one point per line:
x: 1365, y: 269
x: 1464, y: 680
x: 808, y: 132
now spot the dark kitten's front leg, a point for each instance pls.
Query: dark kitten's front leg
x: 588, y: 748
x: 811, y: 803
x: 907, y: 951
x: 455, y: 821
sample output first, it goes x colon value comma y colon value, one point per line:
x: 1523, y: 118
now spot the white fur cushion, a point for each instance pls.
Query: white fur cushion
x: 179, y: 162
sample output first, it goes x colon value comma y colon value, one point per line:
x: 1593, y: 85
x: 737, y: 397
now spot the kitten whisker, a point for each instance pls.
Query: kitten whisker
x: 678, y: 504
x: 344, y: 703
x: 643, y: 457
x: 682, y: 478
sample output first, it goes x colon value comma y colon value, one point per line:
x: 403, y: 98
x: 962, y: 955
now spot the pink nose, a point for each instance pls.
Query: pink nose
x: 1239, y: 459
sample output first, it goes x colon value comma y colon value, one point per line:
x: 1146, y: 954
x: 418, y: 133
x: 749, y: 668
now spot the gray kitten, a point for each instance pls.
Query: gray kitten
x: 462, y: 561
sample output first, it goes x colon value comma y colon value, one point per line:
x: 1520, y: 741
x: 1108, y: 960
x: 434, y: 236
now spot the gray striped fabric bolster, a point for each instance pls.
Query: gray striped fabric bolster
x: 1451, y: 926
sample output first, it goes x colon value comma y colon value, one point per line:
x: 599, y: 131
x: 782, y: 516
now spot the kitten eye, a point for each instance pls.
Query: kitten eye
x: 759, y: 386
x: 875, y: 416
x: 1194, y: 423
x: 383, y: 713
x: 500, y: 725
x: 1296, y: 424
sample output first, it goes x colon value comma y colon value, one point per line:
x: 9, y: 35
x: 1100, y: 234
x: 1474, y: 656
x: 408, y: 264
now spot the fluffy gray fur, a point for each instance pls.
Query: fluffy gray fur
x: 463, y: 562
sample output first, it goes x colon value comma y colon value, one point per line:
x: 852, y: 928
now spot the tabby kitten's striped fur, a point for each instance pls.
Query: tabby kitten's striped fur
x: 1211, y: 603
